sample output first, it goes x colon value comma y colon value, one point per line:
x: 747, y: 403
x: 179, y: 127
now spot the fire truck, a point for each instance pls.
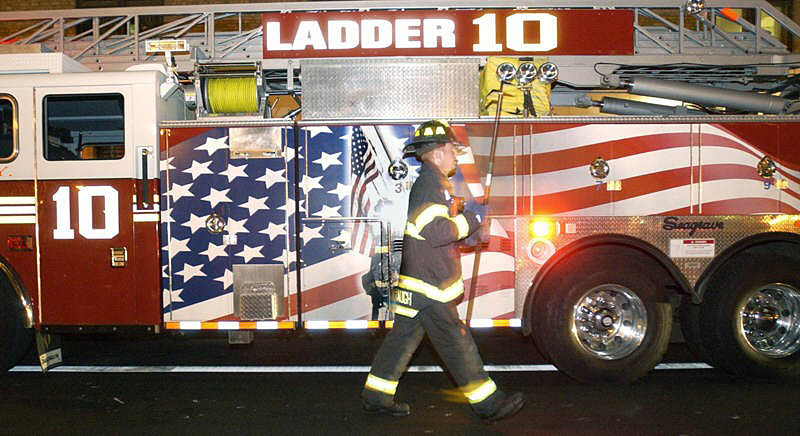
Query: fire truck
x: 240, y: 168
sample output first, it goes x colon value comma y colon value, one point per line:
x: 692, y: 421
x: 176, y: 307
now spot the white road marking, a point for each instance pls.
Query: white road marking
x: 309, y: 369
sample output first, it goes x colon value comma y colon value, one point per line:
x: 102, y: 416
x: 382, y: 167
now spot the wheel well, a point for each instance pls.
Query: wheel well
x: 788, y: 244
x: 9, y: 278
x: 620, y: 243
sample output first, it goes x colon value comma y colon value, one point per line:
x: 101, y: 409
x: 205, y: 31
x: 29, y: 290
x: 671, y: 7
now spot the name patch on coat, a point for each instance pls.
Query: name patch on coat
x: 403, y: 297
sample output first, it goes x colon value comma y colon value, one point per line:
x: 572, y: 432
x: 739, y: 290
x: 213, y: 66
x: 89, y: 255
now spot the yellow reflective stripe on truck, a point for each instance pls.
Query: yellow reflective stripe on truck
x: 353, y: 324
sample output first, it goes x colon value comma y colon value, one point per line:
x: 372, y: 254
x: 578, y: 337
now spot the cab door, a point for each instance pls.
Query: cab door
x: 86, y: 181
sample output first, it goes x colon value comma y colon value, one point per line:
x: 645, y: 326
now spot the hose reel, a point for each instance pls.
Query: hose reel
x: 230, y: 89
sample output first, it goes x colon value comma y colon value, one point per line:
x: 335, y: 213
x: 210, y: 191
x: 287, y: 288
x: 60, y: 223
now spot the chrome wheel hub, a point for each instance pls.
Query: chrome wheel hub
x: 609, y: 321
x: 769, y: 320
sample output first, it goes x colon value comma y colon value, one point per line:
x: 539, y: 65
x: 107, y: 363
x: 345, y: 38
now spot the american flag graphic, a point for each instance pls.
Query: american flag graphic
x: 255, y: 199
x: 200, y: 184
x: 543, y: 168
x: 364, y: 171
x: 494, y: 292
x: 663, y: 169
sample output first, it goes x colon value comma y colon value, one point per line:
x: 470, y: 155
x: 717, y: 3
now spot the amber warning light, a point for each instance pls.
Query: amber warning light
x: 541, y: 229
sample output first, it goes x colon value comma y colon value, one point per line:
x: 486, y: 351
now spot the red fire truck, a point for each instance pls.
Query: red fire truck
x: 240, y: 168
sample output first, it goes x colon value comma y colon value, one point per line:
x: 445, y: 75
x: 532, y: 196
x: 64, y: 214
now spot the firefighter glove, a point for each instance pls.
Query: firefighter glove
x: 477, y: 210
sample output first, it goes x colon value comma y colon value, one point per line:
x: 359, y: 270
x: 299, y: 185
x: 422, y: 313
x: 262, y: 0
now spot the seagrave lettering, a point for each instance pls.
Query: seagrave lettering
x: 673, y: 223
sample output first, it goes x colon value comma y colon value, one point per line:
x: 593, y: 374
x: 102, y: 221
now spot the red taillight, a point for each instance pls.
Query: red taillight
x: 20, y: 243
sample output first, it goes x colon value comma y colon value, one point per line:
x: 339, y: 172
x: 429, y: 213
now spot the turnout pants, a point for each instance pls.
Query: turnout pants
x: 454, y: 344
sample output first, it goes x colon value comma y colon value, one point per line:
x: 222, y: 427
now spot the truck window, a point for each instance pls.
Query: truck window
x: 84, y: 127
x: 8, y: 128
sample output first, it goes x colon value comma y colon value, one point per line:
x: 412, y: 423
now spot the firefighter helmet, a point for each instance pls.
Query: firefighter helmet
x: 428, y: 136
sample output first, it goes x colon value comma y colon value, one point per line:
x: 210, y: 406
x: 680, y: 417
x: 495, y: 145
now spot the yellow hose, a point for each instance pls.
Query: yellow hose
x: 232, y: 95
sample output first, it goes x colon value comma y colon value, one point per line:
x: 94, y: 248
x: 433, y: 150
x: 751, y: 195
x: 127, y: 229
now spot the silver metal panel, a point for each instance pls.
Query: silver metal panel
x: 258, y: 291
x: 390, y: 88
x: 622, y: 119
x: 723, y: 230
x: 255, y: 142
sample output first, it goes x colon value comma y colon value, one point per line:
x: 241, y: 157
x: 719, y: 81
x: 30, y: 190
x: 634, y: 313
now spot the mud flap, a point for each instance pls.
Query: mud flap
x: 49, y: 348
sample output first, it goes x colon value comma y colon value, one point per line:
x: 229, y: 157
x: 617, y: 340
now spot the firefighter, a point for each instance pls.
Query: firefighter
x: 429, y: 286
x: 376, y: 281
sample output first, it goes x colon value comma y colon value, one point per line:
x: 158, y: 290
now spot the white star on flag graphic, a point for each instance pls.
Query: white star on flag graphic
x: 166, y: 216
x: 168, y: 297
x: 213, y: 144
x: 176, y: 246
x: 273, y: 230
x: 289, y: 206
x: 216, y: 197
x: 254, y: 204
x: 325, y: 160
x: 272, y: 177
x: 197, y: 169
x: 236, y: 226
x: 232, y: 172
x: 195, y: 222
x: 289, y: 153
x: 214, y: 251
x: 328, y: 212
x: 248, y: 253
x: 179, y: 191
x: 226, y: 279
x: 190, y: 271
x: 341, y: 191
x: 310, y: 233
x: 167, y: 163
x: 310, y: 183
x: 282, y: 257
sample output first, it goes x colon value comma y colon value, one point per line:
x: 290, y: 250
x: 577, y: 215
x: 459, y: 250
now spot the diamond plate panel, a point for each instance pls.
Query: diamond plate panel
x: 723, y: 230
x: 257, y: 291
x: 390, y: 88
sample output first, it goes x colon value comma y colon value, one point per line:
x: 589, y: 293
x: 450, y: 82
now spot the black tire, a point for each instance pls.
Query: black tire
x: 612, y: 275
x: 15, y: 339
x: 747, y: 289
x: 689, y: 315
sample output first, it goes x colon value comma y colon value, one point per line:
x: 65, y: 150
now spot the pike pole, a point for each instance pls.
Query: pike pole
x: 505, y: 71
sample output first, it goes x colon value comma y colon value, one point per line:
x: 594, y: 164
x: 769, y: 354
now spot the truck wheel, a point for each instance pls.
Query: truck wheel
x: 599, y: 322
x: 751, y: 317
x: 15, y: 339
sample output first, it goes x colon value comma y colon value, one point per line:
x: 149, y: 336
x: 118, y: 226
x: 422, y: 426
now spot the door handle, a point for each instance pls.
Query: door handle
x: 143, y: 155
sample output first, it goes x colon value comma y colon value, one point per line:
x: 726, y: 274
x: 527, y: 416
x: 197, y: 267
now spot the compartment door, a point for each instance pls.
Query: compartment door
x: 653, y: 169
x: 560, y: 180
x: 342, y: 258
x: 729, y: 155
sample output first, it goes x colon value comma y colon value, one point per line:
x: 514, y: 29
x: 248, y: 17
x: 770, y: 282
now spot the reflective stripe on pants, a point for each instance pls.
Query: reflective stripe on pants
x: 378, y: 384
x: 453, y: 342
